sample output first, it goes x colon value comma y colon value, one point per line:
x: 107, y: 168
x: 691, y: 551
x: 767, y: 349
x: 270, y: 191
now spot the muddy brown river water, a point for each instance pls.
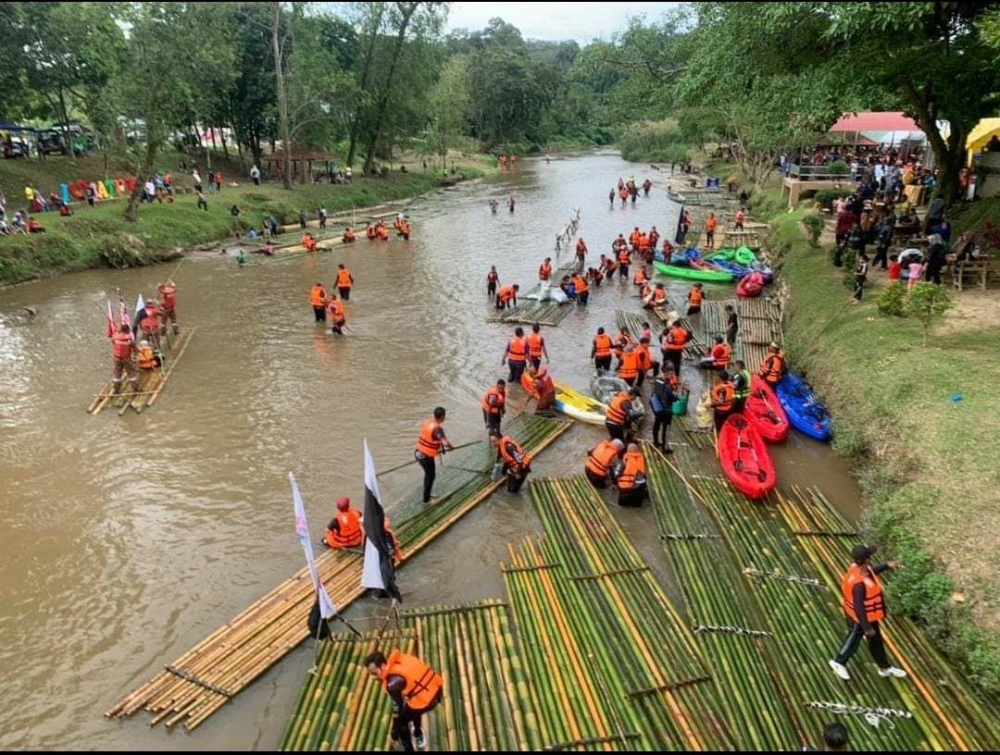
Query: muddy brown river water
x: 125, y: 541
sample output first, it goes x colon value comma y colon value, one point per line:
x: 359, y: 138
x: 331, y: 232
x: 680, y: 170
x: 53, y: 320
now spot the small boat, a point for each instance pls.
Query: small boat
x: 693, y: 273
x: 764, y: 410
x: 728, y: 266
x: 574, y: 404
x: 744, y: 256
x: 806, y: 415
x: 745, y: 458
x: 605, y: 387
x: 751, y: 285
x: 764, y: 270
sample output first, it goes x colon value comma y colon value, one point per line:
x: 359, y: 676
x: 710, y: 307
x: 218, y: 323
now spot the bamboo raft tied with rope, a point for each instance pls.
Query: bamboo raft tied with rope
x: 204, y: 678
x: 151, y: 382
x: 529, y: 311
x: 788, y: 589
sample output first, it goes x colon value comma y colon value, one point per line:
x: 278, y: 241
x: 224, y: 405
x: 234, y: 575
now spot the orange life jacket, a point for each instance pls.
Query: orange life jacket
x: 349, y: 236
x: 405, y: 228
x: 659, y: 297
x: 644, y: 357
x: 150, y: 323
x: 422, y: 682
x: 710, y: 224
x: 620, y: 343
x: 617, y: 412
x: 370, y: 232
x: 629, y: 368
x: 633, y: 238
x: 724, y: 395
x: 168, y: 298
x: 677, y: 339
x: 600, y: 459
x: 602, y: 346
x: 544, y: 271
x: 506, y: 294
x: 350, y: 534
x: 874, y: 600
x: 640, y: 277
x: 643, y: 243
x: 535, y: 345
x: 508, y: 456
x: 623, y: 256
x: 634, y: 464
x: 501, y: 399
x: 121, y: 345
x: 579, y: 284
x: 336, y: 309
x: 318, y: 296
x: 344, y: 279
x: 720, y: 355
x: 426, y: 443
x: 382, y: 232
x: 146, y: 359
x: 517, y: 350
x: 771, y: 368
x: 694, y: 297
x: 308, y: 242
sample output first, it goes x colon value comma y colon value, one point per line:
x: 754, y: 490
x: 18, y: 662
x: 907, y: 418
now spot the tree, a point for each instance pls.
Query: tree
x: 926, y: 301
x: 371, y: 19
x: 250, y: 101
x: 280, y: 34
x: 450, y: 104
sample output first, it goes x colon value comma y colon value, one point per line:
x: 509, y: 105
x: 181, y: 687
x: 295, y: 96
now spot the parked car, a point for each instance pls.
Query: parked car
x: 49, y: 142
x: 14, y: 148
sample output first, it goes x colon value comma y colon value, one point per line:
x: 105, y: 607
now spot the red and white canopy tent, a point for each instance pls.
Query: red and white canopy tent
x: 884, y: 128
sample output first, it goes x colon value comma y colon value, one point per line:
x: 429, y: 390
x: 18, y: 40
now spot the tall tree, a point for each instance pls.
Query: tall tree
x: 450, y: 103
x: 281, y: 31
x: 370, y: 19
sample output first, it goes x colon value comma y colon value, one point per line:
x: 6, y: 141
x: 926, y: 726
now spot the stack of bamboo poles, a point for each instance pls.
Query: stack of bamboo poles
x: 826, y: 539
x: 754, y: 334
x: 203, y: 679
x: 486, y: 703
x: 633, y: 321
x: 736, y: 239
x: 151, y: 382
x: 613, y: 665
x: 702, y: 441
x: 530, y: 311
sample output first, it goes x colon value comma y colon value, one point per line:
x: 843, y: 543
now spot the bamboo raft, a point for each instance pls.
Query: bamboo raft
x: 474, y: 650
x: 736, y: 239
x: 695, y: 348
x: 760, y: 324
x: 203, y: 679
x: 529, y: 311
x: 775, y: 570
x: 151, y: 382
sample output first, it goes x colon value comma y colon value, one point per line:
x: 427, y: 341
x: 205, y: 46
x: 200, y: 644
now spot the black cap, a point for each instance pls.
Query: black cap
x: 862, y: 553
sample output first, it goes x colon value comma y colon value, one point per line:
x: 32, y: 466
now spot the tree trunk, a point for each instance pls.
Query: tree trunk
x: 64, y: 120
x: 949, y: 156
x: 279, y: 69
x: 132, y: 209
x: 406, y: 13
x: 222, y: 137
x: 356, y: 121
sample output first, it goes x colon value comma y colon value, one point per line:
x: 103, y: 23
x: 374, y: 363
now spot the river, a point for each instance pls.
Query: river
x: 128, y: 540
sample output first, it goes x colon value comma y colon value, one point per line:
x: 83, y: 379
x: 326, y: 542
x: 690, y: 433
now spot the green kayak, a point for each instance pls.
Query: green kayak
x: 745, y: 257
x: 727, y: 255
x: 693, y: 273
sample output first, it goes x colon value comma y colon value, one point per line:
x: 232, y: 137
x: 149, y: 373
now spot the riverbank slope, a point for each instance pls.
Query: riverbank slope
x: 922, y: 422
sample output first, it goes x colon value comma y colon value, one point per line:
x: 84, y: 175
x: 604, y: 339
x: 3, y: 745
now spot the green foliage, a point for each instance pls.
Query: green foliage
x: 890, y: 301
x: 838, y: 168
x: 926, y: 302
x: 814, y: 224
x: 826, y: 197
x: 850, y: 258
x: 653, y: 142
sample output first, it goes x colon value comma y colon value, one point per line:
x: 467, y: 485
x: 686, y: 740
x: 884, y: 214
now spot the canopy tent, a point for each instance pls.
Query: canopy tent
x: 865, y: 122
x: 845, y: 139
x: 980, y: 136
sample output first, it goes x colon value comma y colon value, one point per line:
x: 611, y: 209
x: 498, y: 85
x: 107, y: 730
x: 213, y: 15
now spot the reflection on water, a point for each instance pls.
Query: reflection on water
x: 127, y: 540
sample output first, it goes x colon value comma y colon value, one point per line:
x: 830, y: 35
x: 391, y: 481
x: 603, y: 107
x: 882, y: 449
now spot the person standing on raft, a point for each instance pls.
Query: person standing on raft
x: 337, y: 316
x: 536, y: 346
x: 431, y: 442
x: 864, y: 607
x: 494, y: 406
x: 515, y: 356
x: 344, y: 282
x: 773, y: 368
x: 723, y: 399
x: 415, y: 690
x: 168, y: 306
x: 619, y: 415
x: 512, y: 461
x: 122, y: 348
x: 601, y: 351
x: 318, y: 298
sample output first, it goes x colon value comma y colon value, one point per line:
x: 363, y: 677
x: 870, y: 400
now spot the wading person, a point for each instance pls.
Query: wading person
x: 864, y: 607
x: 492, y: 279
x: 601, y: 351
x: 538, y: 384
x: 512, y: 460
x: 603, y: 462
x: 431, y: 442
x: 414, y: 688
x: 344, y: 282
x: 515, y: 356
x: 536, y: 346
x: 338, y: 317
x: 318, y: 298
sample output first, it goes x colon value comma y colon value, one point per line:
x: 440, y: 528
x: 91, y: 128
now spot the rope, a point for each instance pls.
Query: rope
x: 873, y: 716
x: 733, y: 630
x: 690, y: 537
x: 808, y: 581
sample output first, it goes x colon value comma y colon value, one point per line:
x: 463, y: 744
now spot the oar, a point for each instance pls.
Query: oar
x: 414, y: 461
x: 170, y: 278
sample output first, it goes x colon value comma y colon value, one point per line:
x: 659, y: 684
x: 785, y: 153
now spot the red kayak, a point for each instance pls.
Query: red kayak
x: 752, y: 285
x: 765, y: 413
x: 744, y: 457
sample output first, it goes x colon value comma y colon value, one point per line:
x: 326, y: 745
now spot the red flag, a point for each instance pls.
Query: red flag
x: 111, y: 320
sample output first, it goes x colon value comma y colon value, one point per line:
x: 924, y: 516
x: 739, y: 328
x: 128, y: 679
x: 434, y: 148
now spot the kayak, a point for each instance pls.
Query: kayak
x: 574, y: 404
x: 751, y: 285
x: 723, y: 254
x: 744, y: 457
x: 745, y: 257
x: 693, y: 273
x: 764, y: 411
x: 764, y: 270
x: 737, y: 271
x: 806, y: 415
x: 605, y: 387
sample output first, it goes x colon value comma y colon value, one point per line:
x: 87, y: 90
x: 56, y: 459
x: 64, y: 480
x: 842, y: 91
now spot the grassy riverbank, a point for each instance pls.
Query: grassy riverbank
x: 927, y: 463
x: 99, y: 236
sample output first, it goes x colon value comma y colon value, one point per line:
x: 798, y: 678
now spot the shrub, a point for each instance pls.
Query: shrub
x: 814, y: 224
x: 826, y: 197
x: 850, y: 260
x: 925, y: 301
x: 838, y: 168
x: 890, y: 301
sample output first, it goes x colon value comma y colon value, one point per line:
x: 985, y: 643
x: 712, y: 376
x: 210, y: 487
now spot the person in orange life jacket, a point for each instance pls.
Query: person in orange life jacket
x: 147, y: 359
x: 619, y: 416
x: 672, y: 343
x: 718, y: 357
x: 632, y: 478
x: 151, y: 324
x: 641, y: 276
x: 344, y: 530
x: 318, y: 298
x: 604, y: 462
x: 431, y: 442
x: 694, y: 299
x: 122, y: 348
x: 773, y: 368
x: 536, y: 346
x: 515, y: 356
x: 492, y: 281
x: 657, y: 298
x: 594, y: 277
x: 309, y: 242
x: 337, y: 315
x: 601, y: 351
x: 723, y: 399
x: 495, y: 405
x: 668, y: 251
x: 512, y: 461
x: 348, y: 237
x: 344, y: 282
x: 624, y: 258
x: 661, y: 403
x: 507, y: 297
x: 545, y: 269
x: 654, y: 238
x: 580, y: 290
x: 628, y: 366
x: 607, y: 266
x: 381, y: 231
x: 370, y: 232
x: 645, y: 359
x: 581, y: 252
x: 738, y: 220
x: 710, y: 225
x: 864, y: 607
x: 415, y: 690
x: 538, y: 384
x: 404, y: 229
x: 622, y: 340
x: 168, y: 306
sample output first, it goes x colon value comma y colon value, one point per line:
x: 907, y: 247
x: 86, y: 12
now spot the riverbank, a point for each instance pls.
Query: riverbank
x: 99, y: 237
x: 921, y: 424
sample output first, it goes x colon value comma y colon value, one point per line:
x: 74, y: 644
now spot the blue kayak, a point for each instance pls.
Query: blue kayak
x: 806, y: 415
x: 729, y: 267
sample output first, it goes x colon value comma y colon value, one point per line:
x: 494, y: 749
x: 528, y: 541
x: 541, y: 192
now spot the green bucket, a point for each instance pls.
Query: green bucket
x: 680, y: 406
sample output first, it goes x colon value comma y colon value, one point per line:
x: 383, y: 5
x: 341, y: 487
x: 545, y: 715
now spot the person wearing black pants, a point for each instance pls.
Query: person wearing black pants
x: 414, y: 688
x: 662, y: 402
x: 431, y: 442
x: 935, y: 259
x: 864, y: 606
x: 860, y: 276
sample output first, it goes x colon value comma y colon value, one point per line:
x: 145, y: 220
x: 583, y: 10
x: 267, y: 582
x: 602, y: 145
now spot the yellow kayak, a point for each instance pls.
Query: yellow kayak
x: 574, y: 404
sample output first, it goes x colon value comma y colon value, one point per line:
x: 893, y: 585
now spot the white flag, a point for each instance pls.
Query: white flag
x: 326, y: 607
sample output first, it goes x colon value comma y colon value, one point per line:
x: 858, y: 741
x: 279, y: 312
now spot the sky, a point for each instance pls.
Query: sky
x: 556, y: 21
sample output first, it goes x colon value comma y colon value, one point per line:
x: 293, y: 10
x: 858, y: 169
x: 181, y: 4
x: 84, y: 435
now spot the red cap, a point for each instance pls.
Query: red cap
x: 343, y: 504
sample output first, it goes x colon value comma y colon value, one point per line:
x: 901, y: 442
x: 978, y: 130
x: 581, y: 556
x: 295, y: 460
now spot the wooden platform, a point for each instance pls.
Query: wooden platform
x: 529, y: 311
x: 151, y: 382
x: 971, y: 273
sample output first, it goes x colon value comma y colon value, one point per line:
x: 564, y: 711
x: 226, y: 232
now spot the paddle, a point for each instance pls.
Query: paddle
x: 414, y: 461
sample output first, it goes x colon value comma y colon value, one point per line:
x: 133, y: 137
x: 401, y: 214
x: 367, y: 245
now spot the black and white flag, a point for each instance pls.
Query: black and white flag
x: 378, y: 572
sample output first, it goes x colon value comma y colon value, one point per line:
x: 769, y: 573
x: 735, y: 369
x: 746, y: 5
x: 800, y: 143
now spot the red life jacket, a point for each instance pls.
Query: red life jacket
x: 121, y: 345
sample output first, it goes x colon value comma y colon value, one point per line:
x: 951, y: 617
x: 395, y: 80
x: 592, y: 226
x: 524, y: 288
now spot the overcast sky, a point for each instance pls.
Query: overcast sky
x: 555, y: 21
